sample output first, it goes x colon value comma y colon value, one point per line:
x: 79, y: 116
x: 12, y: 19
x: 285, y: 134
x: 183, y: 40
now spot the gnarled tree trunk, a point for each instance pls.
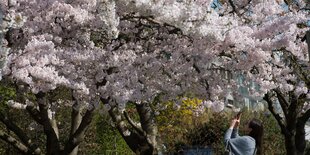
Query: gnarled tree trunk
x: 292, y: 123
x: 141, y: 139
x: 43, y: 116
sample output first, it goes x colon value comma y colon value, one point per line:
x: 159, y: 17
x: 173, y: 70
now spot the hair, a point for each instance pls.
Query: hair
x: 257, y: 133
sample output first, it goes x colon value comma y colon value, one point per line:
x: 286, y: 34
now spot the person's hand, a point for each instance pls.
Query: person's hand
x: 236, y: 126
x: 235, y: 122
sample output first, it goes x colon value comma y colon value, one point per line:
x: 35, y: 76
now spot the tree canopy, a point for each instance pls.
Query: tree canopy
x: 136, y: 50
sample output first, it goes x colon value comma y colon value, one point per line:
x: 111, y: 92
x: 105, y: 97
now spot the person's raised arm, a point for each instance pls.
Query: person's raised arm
x: 234, y: 123
x: 235, y: 132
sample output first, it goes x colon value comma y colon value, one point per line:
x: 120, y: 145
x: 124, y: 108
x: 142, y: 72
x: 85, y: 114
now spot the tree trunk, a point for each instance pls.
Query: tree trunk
x: 291, y: 128
x: 76, y: 119
x: 78, y: 136
x: 136, y: 140
x: 138, y: 144
x: 141, y: 140
x: 290, y: 145
x: 14, y: 142
x: 147, y: 119
x: 52, y: 147
x: 49, y: 125
x: 300, y: 140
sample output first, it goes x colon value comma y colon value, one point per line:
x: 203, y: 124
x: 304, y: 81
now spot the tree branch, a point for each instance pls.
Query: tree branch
x: 276, y: 115
x: 76, y: 118
x: 19, y: 133
x: 52, y: 141
x: 283, y: 103
x: 308, y: 40
x: 138, y: 143
x: 297, y: 68
x: 130, y: 121
x: 31, y: 109
x: 79, y: 134
x: 117, y: 119
x: 153, y: 21
x: 34, y: 113
x: 305, y: 117
x: 234, y: 8
x: 292, y: 109
x: 14, y: 142
x: 148, y: 124
x: 134, y: 140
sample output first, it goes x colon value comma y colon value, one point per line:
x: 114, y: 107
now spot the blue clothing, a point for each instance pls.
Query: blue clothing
x: 239, y: 145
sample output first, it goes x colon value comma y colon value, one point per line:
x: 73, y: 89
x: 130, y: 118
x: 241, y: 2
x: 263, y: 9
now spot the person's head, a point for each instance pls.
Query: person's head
x: 255, y: 129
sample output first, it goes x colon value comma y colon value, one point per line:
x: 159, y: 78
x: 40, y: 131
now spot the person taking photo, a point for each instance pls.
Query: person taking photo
x: 249, y: 144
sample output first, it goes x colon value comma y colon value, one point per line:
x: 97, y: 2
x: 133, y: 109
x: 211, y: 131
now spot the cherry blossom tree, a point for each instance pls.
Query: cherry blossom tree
x: 264, y: 41
x: 86, y: 53
x: 144, y: 52
x: 39, y: 40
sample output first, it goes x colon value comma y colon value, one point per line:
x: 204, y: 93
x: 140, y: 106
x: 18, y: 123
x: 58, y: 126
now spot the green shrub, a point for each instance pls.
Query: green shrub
x: 210, y: 133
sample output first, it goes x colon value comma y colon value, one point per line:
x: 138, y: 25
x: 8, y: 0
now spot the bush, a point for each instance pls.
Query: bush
x: 174, y: 121
x: 210, y: 133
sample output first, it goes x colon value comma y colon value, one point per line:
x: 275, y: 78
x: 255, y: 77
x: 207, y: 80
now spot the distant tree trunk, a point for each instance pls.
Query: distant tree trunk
x: 141, y: 139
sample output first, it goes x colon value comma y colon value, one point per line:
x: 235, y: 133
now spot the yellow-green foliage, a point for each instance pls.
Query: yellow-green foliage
x: 173, y: 115
x: 189, y: 105
x: 174, y: 121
